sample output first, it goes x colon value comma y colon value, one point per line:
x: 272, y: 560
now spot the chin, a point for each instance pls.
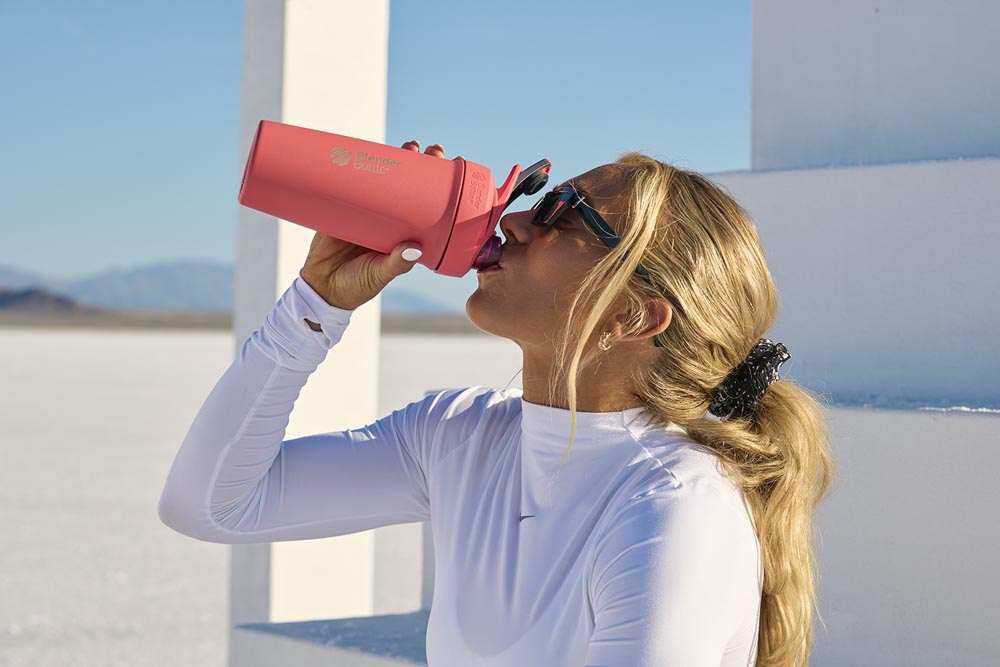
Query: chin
x: 481, y: 312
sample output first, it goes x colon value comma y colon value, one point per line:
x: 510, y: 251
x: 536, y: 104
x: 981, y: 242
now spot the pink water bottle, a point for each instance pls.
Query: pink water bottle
x: 379, y: 196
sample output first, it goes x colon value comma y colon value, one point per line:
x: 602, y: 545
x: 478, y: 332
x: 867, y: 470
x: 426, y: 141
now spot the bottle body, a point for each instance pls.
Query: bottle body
x: 376, y: 196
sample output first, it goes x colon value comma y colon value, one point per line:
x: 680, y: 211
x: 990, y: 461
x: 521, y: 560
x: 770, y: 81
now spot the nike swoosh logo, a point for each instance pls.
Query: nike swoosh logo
x: 525, y: 516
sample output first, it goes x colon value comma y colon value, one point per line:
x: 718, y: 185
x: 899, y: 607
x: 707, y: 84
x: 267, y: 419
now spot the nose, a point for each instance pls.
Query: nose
x: 518, y: 227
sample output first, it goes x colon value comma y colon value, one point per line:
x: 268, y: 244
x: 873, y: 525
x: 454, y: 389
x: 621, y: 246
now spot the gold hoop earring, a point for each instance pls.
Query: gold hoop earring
x: 603, y: 344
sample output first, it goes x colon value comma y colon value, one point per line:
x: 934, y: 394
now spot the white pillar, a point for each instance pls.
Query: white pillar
x: 322, y: 65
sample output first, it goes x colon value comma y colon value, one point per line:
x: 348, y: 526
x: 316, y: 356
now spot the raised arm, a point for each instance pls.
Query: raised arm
x: 235, y: 480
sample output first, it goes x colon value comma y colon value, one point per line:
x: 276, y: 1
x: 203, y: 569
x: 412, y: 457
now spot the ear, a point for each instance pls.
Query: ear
x: 658, y: 315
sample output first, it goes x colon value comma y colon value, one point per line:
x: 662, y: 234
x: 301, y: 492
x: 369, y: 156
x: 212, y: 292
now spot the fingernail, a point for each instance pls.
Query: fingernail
x: 411, y: 254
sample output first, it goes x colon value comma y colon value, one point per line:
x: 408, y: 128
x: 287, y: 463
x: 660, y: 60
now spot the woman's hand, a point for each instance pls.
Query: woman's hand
x: 346, y: 274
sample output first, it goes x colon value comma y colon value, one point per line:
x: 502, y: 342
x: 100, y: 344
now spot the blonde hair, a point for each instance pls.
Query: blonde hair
x: 702, y: 252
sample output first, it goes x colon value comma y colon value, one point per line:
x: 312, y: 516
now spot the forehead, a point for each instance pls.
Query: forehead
x: 606, y: 186
x: 606, y: 189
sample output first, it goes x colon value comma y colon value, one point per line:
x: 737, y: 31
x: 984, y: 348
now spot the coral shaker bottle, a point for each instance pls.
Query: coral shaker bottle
x: 379, y: 196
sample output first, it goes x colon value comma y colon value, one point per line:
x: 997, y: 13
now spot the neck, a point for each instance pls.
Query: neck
x: 603, y: 387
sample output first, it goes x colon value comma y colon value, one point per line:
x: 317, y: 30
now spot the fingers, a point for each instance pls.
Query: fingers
x: 436, y: 150
x: 401, y: 260
x: 411, y: 253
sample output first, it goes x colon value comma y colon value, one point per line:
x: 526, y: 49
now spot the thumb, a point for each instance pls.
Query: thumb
x: 401, y: 259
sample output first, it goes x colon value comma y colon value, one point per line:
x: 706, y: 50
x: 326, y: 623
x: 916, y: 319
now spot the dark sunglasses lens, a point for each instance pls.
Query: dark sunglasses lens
x: 545, y: 207
x: 542, y: 208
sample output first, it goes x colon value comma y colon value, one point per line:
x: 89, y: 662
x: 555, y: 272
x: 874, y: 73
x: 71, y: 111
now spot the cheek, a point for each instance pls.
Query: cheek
x: 550, y: 278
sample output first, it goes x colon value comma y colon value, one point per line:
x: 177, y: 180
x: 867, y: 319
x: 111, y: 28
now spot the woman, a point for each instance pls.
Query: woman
x: 646, y: 499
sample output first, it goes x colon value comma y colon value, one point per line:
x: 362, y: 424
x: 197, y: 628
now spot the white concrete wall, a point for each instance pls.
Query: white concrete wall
x: 873, y: 81
x: 908, y: 542
x: 888, y: 277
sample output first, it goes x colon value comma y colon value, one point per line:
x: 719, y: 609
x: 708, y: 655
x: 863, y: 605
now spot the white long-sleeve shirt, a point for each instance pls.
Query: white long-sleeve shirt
x: 643, y: 552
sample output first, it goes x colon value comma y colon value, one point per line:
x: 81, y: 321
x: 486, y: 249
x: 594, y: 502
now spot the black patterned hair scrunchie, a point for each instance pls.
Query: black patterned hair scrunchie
x: 739, y: 393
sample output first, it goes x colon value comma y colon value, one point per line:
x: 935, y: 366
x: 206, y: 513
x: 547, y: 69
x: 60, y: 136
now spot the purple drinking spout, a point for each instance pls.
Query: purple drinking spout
x: 489, y: 254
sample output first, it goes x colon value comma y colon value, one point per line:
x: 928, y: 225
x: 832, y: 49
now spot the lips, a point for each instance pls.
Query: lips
x: 491, y: 268
x: 498, y: 266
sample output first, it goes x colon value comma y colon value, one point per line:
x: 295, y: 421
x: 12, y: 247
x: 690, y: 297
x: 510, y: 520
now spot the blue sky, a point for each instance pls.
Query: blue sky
x: 121, y: 120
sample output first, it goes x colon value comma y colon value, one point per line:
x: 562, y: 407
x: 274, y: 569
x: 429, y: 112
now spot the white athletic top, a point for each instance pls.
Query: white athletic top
x: 643, y: 554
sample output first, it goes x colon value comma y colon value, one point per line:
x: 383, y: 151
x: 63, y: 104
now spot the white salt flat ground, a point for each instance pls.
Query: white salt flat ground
x: 90, y: 421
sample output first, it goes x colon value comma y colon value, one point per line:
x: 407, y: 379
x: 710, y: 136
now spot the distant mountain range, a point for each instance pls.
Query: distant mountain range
x: 180, y: 285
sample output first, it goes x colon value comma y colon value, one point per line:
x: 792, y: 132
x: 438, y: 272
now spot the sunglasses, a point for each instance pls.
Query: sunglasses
x: 556, y: 202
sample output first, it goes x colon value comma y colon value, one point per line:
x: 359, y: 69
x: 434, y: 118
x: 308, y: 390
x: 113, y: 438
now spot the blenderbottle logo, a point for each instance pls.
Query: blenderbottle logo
x: 341, y: 156
x: 363, y: 161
